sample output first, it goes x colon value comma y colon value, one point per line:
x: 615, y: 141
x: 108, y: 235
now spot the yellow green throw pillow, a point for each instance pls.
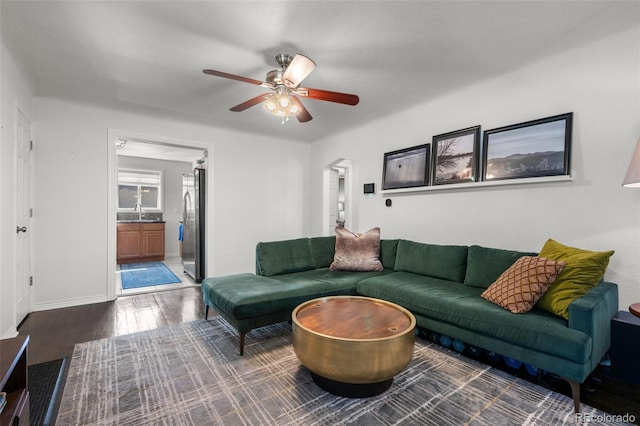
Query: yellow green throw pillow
x: 584, y: 269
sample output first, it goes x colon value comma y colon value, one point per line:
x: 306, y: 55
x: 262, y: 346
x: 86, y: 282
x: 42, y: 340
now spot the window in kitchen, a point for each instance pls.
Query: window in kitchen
x: 139, y: 189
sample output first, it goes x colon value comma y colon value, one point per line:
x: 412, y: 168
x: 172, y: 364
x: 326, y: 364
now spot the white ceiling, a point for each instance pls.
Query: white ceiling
x: 149, y: 55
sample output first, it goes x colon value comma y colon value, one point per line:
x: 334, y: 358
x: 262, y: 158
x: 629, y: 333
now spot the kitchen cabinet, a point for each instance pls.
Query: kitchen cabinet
x: 13, y: 375
x: 140, y: 242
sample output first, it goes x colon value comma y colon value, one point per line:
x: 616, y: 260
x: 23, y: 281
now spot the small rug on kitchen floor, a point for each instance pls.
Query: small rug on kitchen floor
x: 45, y: 390
x: 192, y: 374
x: 147, y: 274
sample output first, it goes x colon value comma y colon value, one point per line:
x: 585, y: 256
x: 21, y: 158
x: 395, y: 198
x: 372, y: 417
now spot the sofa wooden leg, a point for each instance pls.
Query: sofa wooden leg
x: 206, y: 311
x: 575, y: 393
x: 242, y: 343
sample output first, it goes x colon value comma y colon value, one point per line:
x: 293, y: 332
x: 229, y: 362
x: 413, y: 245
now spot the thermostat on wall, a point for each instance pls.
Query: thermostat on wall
x: 369, y: 188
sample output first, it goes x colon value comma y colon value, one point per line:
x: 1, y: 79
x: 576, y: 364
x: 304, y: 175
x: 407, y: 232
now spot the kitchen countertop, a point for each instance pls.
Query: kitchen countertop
x: 141, y: 221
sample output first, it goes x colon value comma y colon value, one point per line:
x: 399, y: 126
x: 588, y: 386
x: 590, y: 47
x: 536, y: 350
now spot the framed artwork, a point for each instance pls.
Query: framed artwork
x: 406, y: 168
x: 532, y: 149
x: 455, y: 156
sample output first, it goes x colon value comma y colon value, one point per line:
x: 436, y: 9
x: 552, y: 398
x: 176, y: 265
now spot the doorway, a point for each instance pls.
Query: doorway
x: 338, y: 197
x: 146, y: 195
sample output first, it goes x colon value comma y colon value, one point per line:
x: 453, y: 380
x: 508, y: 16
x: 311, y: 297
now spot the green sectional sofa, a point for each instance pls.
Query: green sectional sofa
x: 440, y: 284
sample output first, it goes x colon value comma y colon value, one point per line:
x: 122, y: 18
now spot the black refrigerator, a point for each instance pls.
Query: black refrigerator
x: 193, y: 222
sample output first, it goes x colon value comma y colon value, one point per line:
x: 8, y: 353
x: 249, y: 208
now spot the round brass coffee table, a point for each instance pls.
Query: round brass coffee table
x: 353, y: 345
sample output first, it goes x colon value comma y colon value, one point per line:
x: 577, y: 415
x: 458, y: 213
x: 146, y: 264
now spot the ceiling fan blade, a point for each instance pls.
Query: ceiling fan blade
x: 299, y: 68
x: 326, y: 95
x: 303, y: 115
x: 232, y: 77
x: 251, y: 102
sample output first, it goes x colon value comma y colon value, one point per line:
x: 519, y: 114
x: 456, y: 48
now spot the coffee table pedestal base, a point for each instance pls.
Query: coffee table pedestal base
x: 351, y: 390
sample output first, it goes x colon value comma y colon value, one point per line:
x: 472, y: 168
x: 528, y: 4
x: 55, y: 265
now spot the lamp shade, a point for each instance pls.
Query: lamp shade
x: 632, y: 178
x: 298, y: 69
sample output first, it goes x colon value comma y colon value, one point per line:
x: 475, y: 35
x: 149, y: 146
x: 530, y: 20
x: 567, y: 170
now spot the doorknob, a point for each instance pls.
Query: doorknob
x: 21, y: 229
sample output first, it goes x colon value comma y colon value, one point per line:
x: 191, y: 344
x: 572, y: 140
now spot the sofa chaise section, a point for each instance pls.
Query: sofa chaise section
x: 287, y: 273
x: 249, y: 301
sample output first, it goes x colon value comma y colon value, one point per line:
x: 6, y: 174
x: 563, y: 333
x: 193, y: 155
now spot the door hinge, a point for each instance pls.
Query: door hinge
x: 31, y: 212
x: 31, y: 145
x: 31, y: 281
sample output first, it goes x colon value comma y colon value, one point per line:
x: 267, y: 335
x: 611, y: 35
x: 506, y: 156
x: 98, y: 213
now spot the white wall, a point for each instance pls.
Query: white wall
x: 259, y: 193
x: 16, y: 92
x: 599, y: 82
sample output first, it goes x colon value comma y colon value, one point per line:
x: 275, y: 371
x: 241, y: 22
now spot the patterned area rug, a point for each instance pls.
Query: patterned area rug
x: 191, y: 374
x: 136, y: 275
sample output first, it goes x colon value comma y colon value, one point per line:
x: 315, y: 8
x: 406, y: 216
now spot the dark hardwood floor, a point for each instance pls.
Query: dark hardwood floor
x: 55, y: 332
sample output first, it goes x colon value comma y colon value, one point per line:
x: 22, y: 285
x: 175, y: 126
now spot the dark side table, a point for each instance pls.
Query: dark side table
x: 625, y: 347
x: 13, y: 381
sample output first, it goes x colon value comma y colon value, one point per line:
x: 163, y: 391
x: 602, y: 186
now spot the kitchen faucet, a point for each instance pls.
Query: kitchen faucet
x: 135, y: 207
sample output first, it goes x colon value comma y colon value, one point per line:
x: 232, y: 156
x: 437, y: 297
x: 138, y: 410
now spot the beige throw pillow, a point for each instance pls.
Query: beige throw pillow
x: 357, y: 252
x: 524, y: 283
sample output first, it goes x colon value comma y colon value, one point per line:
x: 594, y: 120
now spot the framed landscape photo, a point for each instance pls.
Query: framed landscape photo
x: 455, y: 156
x: 406, y: 168
x: 533, y: 149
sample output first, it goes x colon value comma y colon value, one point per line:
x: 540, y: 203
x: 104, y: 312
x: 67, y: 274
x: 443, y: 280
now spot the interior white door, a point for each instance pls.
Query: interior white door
x: 23, y: 216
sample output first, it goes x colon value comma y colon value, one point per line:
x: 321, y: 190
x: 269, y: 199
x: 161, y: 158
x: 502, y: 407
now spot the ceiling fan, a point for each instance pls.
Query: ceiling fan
x: 284, y: 84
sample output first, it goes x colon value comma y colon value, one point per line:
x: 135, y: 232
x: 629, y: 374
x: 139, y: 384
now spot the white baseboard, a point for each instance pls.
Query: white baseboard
x: 69, y: 302
x: 11, y: 332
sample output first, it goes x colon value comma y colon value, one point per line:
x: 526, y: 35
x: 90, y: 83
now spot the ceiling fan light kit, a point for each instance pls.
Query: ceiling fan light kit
x: 282, y: 105
x: 285, y: 83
